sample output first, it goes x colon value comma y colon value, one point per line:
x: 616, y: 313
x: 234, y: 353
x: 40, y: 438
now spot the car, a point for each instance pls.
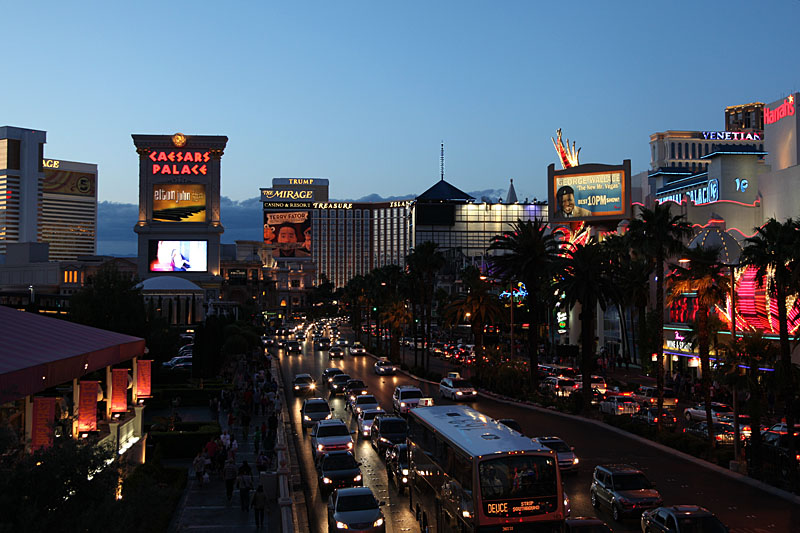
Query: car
x: 294, y: 347
x: 567, y: 460
x: 329, y: 436
x: 397, y: 466
x: 650, y: 417
x: 303, y: 384
x: 387, y: 431
x: 585, y: 525
x: 513, y: 424
x: 175, y: 360
x: 456, y: 389
x: 598, y: 383
x: 362, y: 403
x: 723, y: 433
x: 698, y: 412
x: 357, y: 349
x: 336, y: 351
x: 327, y: 375
x: 406, y: 397
x: 384, y: 367
x: 623, y: 489
x: 355, y: 509
x: 354, y: 388
x: 558, y: 386
x: 341, y: 342
x: 280, y: 344
x: 365, y: 419
x: 336, y: 470
x: 681, y: 519
x: 649, y: 395
x: 323, y: 343
x: 269, y: 342
x: 336, y: 385
x: 314, y: 410
x: 619, y: 405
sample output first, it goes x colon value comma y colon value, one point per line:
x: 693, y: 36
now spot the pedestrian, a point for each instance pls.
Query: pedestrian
x: 278, y: 406
x: 229, y: 476
x: 245, y: 484
x: 234, y: 447
x: 226, y: 439
x: 199, y: 465
x: 259, y: 505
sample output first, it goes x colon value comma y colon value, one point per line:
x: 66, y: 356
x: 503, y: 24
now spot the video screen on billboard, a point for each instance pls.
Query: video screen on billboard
x: 178, y: 256
x: 69, y: 182
x: 179, y: 202
x: 288, y: 233
x: 590, y: 192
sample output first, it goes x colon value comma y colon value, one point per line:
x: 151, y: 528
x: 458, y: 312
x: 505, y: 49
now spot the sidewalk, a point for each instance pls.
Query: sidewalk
x: 206, y: 508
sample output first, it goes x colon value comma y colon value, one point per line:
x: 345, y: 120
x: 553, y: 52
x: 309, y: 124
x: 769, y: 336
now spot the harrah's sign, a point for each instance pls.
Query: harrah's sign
x: 191, y: 163
x: 786, y: 109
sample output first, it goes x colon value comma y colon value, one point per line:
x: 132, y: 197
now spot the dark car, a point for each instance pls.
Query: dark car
x: 387, y: 431
x: 353, y: 388
x: 337, y: 384
x: 513, y: 424
x: 623, y: 489
x: 585, y: 525
x: 681, y: 519
x: 723, y: 433
x: 336, y: 351
x: 303, y: 384
x: 355, y: 509
x: 327, y: 375
x: 294, y: 347
x: 338, y: 470
x: 314, y: 410
x: 323, y: 343
x: 397, y: 466
x: 649, y: 416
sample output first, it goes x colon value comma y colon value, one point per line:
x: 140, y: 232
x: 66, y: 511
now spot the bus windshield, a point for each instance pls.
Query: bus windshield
x: 518, y: 476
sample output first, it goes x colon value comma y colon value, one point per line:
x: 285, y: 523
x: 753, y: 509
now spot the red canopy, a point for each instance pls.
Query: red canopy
x: 38, y: 352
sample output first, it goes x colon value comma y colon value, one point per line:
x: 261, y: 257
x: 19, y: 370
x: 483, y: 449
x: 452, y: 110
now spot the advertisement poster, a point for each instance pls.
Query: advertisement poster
x: 585, y: 196
x: 119, y: 390
x: 143, y: 378
x: 178, y: 256
x: 87, y: 406
x: 44, y: 416
x: 288, y: 233
x: 176, y: 202
x: 66, y: 182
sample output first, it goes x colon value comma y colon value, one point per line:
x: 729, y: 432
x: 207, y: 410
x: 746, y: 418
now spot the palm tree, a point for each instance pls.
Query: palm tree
x: 658, y: 235
x: 424, y: 262
x: 775, y: 253
x: 478, y: 304
x: 528, y: 255
x: 396, y: 316
x: 704, y: 276
x: 585, y: 278
x: 355, y: 299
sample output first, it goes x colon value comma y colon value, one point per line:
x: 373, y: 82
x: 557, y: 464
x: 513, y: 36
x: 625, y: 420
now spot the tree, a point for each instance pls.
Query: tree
x: 477, y: 304
x: 112, y: 301
x: 774, y: 251
x: 527, y: 255
x: 705, y: 277
x: 658, y: 235
x: 424, y: 262
x: 397, y: 317
x: 354, y: 296
x: 585, y: 277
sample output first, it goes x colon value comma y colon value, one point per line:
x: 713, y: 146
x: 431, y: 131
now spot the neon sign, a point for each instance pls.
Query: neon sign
x: 285, y: 194
x: 786, y: 109
x: 731, y: 136
x: 184, y: 158
x: 707, y: 193
x: 51, y: 163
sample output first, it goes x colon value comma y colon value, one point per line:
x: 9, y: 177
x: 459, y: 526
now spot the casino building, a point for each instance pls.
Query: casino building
x: 69, y: 209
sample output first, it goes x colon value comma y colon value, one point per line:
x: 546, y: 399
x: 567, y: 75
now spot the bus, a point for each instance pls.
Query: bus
x: 472, y: 474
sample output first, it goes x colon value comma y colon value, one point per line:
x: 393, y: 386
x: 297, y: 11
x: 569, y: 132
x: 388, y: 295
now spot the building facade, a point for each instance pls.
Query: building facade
x: 688, y: 149
x: 69, y: 209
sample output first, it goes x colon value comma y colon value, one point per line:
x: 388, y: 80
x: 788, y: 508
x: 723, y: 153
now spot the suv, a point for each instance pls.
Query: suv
x: 624, y: 489
x: 681, y: 519
x: 405, y: 397
x: 387, y: 431
x: 330, y: 435
x: 649, y: 395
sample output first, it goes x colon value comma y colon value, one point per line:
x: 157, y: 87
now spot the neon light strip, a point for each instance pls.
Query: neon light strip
x: 733, y: 153
x: 690, y: 356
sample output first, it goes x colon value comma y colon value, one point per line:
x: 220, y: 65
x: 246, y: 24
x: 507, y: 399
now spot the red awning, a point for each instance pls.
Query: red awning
x: 38, y: 352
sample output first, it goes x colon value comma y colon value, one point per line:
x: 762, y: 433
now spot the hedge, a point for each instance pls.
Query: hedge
x: 181, y: 444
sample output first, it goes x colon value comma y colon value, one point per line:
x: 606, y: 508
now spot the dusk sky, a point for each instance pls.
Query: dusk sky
x: 364, y: 92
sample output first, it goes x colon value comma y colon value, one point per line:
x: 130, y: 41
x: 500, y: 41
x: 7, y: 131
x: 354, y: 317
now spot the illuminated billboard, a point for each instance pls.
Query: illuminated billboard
x: 178, y: 256
x: 179, y: 202
x: 589, y: 192
x: 288, y: 233
x: 68, y: 182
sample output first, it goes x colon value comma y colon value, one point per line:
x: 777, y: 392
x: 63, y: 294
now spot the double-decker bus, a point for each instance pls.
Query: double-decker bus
x: 470, y: 473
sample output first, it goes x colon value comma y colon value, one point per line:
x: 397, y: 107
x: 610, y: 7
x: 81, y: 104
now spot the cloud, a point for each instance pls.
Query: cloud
x: 242, y: 220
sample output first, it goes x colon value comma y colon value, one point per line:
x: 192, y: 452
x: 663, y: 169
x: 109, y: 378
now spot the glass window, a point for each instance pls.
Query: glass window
x: 520, y: 476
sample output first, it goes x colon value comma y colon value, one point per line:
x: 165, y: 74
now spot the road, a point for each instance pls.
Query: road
x: 743, y: 508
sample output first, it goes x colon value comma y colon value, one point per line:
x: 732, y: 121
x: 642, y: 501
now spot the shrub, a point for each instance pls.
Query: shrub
x: 182, y: 443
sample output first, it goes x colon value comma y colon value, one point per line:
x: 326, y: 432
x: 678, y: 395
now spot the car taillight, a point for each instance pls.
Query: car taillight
x: 718, y: 436
x: 620, y: 407
x: 655, y: 419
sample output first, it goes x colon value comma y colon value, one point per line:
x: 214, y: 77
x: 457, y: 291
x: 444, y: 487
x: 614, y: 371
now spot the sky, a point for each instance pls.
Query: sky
x: 363, y: 93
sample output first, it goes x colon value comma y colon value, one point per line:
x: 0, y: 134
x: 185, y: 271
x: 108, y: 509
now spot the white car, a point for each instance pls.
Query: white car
x: 619, y: 405
x: 357, y: 349
x: 406, y: 397
x: 597, y: 383
x: 330, y: 435
x: 567, y: 460
x: 558, y: 386
x: 456, y: 389
x: 363, y: 403
x: 365, y: 420
x: 384, y: 367
x: 698, y: 412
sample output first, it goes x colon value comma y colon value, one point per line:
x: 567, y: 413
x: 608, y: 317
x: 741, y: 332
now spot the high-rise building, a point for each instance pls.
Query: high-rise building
x: 69, y: 209
x: 21, y: 174
x: 745, y: 117
x: 687, y: 150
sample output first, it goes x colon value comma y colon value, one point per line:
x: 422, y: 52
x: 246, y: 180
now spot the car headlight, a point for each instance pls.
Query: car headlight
x: 341, y: 525
x: 576, y: 461
x: 363, y: 392
x: 320, y: 447
x: 352, y: 397
x: 405, y: 479
x: 350, y: 445
x: 313, y: 386
x: 459, y: 393
x: 402, y: 404
x: 307, y: 418
x: 378, y: 522
x: 366, y: 432
x: 328, y: 417
x: 357, y: 478
x: 327, y: 480
x: 296, y: 387
x: 405, y: 471
x: 384, y: 439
